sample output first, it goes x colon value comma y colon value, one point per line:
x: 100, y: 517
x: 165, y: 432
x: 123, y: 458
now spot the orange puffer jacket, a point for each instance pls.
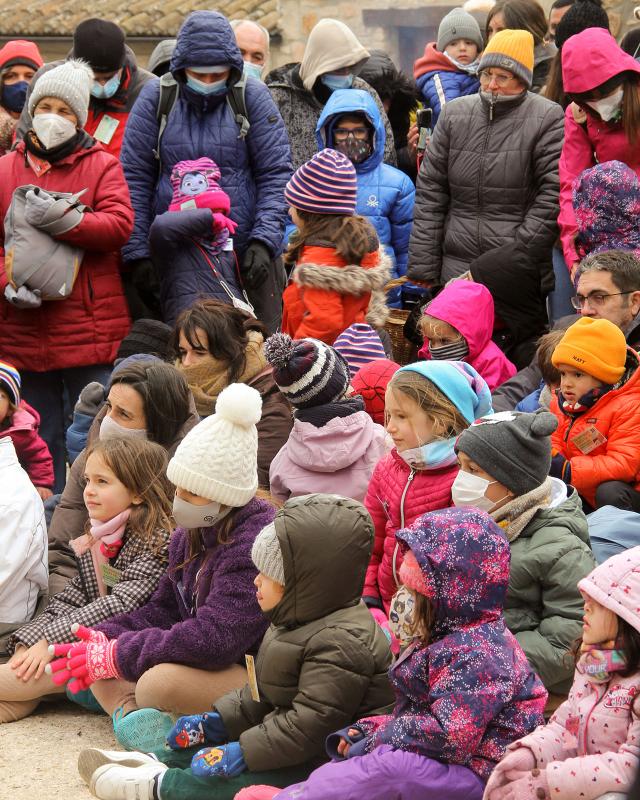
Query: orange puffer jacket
x: 617, y: 417
x: 326, y: 295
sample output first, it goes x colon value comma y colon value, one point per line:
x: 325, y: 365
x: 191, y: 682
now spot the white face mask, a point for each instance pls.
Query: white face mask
x: 189, y: 515
x: 53, y: 130
x: 609, y: 107
x: 110, y: 429
x: 469, y: 490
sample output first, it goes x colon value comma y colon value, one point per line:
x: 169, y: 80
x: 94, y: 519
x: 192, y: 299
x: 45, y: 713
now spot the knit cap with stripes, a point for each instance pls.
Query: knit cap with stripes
x: 10, y: 381
x: 324, y: 185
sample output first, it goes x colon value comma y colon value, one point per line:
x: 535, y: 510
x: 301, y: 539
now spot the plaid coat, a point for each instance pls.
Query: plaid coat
x: 81, y: 602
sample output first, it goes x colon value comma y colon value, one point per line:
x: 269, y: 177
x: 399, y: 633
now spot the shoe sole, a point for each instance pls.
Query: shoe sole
x: 93, y: 758
x: 143, y: 734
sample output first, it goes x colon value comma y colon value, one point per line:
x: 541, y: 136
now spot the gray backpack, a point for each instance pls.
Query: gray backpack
x: 33, y: 258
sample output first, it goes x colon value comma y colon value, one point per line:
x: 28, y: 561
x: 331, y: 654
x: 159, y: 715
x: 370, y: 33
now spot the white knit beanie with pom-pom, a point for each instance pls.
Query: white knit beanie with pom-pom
x: 218, y: 459
x: 70, y: 82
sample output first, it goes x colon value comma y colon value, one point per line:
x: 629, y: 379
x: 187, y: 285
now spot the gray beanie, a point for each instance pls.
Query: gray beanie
x: 267, y: 555
x: 513, y: 447
x: 458, y: 24
x: 70, y: 82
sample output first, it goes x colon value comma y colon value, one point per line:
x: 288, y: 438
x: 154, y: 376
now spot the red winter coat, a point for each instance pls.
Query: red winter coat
x: 87, y: 326
x: 32, y: 451
x: 396, y: 497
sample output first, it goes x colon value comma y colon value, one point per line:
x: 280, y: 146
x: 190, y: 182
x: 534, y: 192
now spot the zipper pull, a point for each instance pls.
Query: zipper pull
x: 411, y: 475
x: 492, y: 104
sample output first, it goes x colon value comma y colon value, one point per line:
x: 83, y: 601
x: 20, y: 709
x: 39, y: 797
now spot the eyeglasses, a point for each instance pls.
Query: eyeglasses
x: 487, y: 77
x: 342, y: 134
x: 595, y: 299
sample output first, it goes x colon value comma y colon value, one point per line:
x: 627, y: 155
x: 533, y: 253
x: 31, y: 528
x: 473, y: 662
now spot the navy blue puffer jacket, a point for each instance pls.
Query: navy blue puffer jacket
x: 254, y: 170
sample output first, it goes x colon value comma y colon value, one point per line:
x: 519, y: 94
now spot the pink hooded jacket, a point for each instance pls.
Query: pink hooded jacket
x: 32, y: 451
x: 468, y: 307
x: 592, y: 743
x: 337, y: 458
x: 588, y: 60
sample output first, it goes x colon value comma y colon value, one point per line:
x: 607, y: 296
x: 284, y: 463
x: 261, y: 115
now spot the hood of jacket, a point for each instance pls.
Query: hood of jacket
x: 326, y: 543
x: 24, y: 418
x: 591, y: 58
x: 162, y: 52
x: 205, y: 39
x: 336, y: 445
x: 615, y: 584
x: 452, y: 306
x: 464, y: 557
x: 568, y: 515
x: 331, y: 45
x: 350, y: 101
x: 606, y: 201
x: 432, y: 61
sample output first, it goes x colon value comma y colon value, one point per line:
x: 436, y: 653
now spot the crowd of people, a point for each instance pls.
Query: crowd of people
x: 320, y: 408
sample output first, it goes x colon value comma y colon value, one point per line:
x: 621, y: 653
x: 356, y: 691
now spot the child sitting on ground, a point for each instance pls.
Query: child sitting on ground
x: 449, y: 67
x: 597, y: 443
x: 559, y: 759
x: 20, y: 423
x: 338, y: 269
x: 541, y: 397
x: 464, y: 688
x: 457, y: 326
x: 334, y: 444
x: 322, y: 664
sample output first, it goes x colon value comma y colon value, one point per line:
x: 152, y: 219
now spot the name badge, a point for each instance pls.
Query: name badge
x: 253, y: 681
x: 228, y: 245
x: 110, y: 575
x: 590, y: 439
x: 105, y: 130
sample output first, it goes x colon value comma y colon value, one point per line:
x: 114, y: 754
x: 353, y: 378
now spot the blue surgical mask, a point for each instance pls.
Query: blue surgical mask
x: 252, y: 70
x: 103, y: 91
x: 217, y: 87
x: 14, y: 96
x: 334, y: 82
x: 433, y: 455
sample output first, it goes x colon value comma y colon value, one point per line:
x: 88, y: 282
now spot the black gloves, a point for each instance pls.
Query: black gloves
x: 256, y: 265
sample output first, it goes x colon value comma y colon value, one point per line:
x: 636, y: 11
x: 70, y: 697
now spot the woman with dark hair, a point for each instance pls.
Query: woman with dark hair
x: 148, y: 400
x: 525, y: 15
x: 217, y: 344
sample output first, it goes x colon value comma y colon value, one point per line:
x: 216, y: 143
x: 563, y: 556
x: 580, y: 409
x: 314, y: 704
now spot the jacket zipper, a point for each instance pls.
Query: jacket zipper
x: 481, y: 174
x: 395, y: 549
x: 571, y: 424
x: 586, y: 722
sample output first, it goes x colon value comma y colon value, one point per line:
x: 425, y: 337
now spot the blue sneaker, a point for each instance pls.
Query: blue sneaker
x: 145, y: 730
x: 86, y: 699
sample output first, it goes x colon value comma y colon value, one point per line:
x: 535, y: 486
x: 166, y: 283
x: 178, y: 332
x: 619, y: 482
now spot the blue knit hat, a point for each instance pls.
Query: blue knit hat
x: 359, y: 344
x: 460, y: 382
x: 10, y: 381
x: 308, y: 372
x: 324, y: 185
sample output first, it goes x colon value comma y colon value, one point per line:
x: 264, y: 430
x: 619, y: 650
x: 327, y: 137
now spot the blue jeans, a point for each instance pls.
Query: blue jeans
x: 559, y: 300
x: 53, y: 395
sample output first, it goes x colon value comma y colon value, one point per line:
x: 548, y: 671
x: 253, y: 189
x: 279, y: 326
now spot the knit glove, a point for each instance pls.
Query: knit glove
x: 560, y: 468
x: 533, y: 786
x: 93, y: 659
x: 256, y: 265
x: 23, y: 298
x: 197, y: 729
x: 226, y: 761
x: 519, y: 760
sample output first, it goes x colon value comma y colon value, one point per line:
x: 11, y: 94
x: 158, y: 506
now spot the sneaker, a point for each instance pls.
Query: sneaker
x: 90, y: 759
x: 116, y: 782
x: 144, y: 730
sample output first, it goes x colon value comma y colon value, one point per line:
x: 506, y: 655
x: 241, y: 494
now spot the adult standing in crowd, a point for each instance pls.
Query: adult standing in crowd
x: 61, y: 346
x: 19, y: 61
x: 333, y: 58
x: 117, y: 82
x: 253, y: 41
x: 255, y: 164
x: 490, y: 176
x: 525, y: 15
x: 557, y: 11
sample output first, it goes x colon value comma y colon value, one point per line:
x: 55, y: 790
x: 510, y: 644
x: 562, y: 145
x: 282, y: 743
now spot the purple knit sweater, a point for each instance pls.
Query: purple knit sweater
x: 211, y: 631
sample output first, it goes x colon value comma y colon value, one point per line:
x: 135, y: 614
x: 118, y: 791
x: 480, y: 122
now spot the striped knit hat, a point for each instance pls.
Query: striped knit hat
x: 308, y: 372
x: 359, y: 345
x: 10, y: 381
x: 324, y: 185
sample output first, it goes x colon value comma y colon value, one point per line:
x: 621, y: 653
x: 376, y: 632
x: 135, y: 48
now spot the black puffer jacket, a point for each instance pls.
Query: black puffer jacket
x: 489, y: 177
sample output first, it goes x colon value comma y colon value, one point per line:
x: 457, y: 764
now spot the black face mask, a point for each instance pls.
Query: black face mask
x: 354, y: 149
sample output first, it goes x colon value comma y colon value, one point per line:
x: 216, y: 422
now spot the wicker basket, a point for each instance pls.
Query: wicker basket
x: 404, y: 351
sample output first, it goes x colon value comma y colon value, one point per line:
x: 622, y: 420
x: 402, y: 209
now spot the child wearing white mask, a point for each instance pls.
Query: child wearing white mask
x: 504, y: 464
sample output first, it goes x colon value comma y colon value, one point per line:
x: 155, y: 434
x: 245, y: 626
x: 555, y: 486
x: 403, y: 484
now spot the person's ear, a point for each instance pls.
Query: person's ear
x: 634, y: 302
x: 136, y: 500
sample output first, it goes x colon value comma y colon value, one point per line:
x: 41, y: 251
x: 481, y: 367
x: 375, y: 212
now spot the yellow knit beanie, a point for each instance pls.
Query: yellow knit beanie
x: 594, y: 346
x: 510, y: 50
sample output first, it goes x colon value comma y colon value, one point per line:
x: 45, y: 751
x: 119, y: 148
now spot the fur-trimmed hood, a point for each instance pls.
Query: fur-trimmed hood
x: 355, y: 279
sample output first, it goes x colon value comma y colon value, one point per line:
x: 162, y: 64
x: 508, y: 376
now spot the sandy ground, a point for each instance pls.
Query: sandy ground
x: 38, y: 755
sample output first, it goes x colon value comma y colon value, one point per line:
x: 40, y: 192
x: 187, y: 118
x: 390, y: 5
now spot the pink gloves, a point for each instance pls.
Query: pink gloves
x: 513, y: 766
x: 93, y: 659
x: 221, y: 221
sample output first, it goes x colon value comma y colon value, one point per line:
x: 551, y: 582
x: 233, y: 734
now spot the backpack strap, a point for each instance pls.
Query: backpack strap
x: 166, y: 102
x: 236, y: 100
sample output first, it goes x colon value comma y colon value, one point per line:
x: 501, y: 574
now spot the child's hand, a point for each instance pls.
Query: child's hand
x: 520, y: 760
x: 30, y: 662
x: 344, y: 745
x: 533, y: 784
x: 560, y: 468
x: 44, y: 493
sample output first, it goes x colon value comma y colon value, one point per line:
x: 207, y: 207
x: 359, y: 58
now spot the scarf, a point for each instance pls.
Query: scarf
x: 514, y: 517
x: 104, y: 541
x: 320, y: 415
x: 210, y: 375
x: 32, y: 145
x: 599, y: 661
